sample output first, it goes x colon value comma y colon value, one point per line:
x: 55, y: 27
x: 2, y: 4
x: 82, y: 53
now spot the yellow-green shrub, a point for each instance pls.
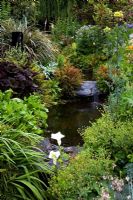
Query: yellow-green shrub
x: 106, y: 142
x: 82, y: 178
x: 115, y: 137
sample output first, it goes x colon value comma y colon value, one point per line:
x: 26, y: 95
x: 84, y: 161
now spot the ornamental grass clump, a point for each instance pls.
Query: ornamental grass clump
x: 37, y: 44
x: 21, y: 165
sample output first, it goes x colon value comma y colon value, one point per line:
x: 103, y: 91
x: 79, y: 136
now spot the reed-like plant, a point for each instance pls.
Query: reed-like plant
x: 20, y: 165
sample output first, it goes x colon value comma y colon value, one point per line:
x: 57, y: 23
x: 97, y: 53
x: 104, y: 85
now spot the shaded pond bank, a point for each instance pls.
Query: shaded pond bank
x: 71, y: 117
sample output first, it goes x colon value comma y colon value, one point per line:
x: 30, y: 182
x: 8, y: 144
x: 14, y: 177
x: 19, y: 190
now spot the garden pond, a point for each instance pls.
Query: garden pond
x: 70, y: 118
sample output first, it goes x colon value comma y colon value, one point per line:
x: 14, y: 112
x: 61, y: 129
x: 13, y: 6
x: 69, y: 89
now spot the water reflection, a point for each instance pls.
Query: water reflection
x: 70, y: 117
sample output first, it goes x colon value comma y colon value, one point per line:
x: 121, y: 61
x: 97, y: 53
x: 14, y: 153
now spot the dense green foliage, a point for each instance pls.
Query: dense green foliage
x: 90, y: 39
x: 52, y: 9
x: 29, y: 114
x: 105, y: 142
x: 20, y: 123
x: 64, y: 30
x: 80, y: 180
x: 116, y: 138
x: 121, y: 104
x: 5, y: 10
x: 111, y: 136
x: 84, y: 35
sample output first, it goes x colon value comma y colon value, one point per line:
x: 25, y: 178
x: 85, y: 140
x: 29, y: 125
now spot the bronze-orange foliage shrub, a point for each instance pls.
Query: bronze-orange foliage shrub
x: 69, y: 78
x: 102, y: 72
x: 104, y: 76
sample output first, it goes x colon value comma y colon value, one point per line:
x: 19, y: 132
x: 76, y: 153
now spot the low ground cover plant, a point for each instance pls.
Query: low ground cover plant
x: 21, y: 81
x: 81, y: 179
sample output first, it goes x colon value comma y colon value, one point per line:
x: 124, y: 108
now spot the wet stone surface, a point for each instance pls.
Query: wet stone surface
x: 88, y: 89
x: 46, y: 146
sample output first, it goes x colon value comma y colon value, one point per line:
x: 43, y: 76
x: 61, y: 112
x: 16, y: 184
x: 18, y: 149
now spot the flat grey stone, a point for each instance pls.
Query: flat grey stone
x: 87, y: 88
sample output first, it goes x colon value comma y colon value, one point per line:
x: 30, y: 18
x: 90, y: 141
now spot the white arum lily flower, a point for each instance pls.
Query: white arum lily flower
x: 54, y: 155
x: 57, y: 136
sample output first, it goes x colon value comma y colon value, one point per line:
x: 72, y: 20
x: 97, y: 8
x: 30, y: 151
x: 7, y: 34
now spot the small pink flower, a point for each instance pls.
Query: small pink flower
x: 105, y: 195
x: 117, y: 184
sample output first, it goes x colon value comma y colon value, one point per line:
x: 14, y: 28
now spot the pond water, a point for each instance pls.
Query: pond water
x: 70, y: 118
